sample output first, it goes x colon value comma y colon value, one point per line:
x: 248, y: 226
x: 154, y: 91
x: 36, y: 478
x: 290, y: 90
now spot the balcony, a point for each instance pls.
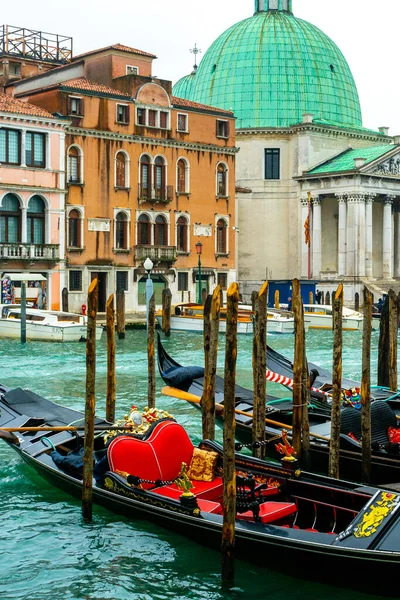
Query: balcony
x: 156, y: 253
x: 31, y: 252
x: 151, y: 194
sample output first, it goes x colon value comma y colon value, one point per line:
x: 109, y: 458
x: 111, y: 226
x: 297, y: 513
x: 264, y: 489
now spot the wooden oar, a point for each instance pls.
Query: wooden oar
x: 175, y: 393
x: 66, y: 428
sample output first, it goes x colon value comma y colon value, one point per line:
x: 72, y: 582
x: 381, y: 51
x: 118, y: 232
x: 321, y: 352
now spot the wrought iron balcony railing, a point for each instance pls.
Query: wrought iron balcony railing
x: 151, y: 194
x: 32, y: 252
x: 156, y: 253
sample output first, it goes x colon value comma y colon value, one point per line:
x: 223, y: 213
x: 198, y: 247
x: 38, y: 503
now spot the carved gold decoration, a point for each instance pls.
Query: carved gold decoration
x: 183, y: 482
x: 376, y: 514
x: 139, y: 423
x: 286, y: 448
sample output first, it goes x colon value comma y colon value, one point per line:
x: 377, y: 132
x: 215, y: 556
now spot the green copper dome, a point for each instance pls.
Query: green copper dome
x: 272, y: 68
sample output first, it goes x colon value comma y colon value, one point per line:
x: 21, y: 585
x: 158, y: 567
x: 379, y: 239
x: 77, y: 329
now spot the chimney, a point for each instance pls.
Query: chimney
x: 384, y: 130
x: 308, y: 118
x: 359, y: 162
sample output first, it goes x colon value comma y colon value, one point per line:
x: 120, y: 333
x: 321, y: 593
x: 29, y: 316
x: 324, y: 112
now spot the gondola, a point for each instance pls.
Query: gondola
x: 187, y: 383
x: 285, y: 519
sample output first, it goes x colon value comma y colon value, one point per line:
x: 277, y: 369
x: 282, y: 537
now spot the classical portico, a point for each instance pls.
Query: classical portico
x: 354, y: 218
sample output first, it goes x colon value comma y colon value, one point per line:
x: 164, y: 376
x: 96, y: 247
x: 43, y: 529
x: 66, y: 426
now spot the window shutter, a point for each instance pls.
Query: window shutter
x: 127, y: 114
x: 69, y: 102
x: 217, y: 128
x: 82, y: 106
x: 227, y: 128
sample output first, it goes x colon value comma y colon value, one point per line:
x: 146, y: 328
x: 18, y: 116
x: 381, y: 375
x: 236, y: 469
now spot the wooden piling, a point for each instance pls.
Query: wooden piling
x: 64, y: 300
x: 87, y: 491
x: 254, y: 298
x: 393, y: 331
x: 211, y: 329
x: 297, y: 366
x: 305, y: 400
x: 322, y: 298
x: 311, y: 298
x: 203, y: 296
x: 327, y: 298
x: 276, y: 299
x: 259, y: 370
x: 384, y: 347
x: 366, y: 434
x: 121, y: 314
x: 111, y: 379
x: 357, y: 301
x: 166, y: 312
x: 228, y: 527
x: 151, y: 396
x: 334, y: 444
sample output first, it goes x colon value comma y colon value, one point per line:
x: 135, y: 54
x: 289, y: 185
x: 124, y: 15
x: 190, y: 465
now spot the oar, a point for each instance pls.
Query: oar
x: 175, y: 393
x: 66, y: 428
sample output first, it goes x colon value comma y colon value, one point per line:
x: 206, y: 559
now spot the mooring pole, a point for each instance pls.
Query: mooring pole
x: 228, y: 527
x: 121, y: 314
x: 297, y: 366
x: 111, y: 379
x: 64, y: 299
x: 87, y: 484
x: 259, y: 369
x: 366, y: 434
x: 305, y: 400
x: 336, y: 382
x: 393, y: 332
x: 166, y: 312
x: 23, y: 312
x: 276, y: 299
x: 151, y: 400
x: 212, y: 309
x: 254, y: 298
x: 384, y: 346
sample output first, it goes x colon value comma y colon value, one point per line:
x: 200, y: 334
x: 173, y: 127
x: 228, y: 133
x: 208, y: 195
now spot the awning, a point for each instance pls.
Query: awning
x: 24, y: 277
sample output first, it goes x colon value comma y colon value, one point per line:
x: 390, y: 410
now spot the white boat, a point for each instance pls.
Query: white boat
x: 320, y: 317
x: 278, y: 321
x: 44, y: 325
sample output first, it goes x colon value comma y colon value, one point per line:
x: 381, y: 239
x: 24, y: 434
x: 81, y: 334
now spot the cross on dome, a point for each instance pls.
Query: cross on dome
x: 265, y: 5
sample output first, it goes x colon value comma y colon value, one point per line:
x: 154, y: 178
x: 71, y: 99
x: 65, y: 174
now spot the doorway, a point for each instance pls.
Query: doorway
x: 102, y: 284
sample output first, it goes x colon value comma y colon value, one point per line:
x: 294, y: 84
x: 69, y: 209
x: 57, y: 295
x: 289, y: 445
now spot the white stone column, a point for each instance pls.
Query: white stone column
x: 387, y: 271
x: 361, y: 238
x: 24, y: 225
x: 397, y: 242
x: 368, y: 235
x: 23, y: 147
x: 316, y: 244
x: 304, y: 246
x: 356, y: 234
x: 342, y: 234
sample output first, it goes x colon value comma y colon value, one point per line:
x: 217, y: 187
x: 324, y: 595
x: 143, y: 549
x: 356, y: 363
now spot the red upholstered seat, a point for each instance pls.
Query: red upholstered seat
x: 209, y: 507
x: 206, y: 490
x: 270, y: 512
x: 159, y: 457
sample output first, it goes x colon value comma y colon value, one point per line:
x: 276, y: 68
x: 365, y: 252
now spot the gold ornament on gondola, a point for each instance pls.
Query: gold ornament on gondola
x: 138, y: 423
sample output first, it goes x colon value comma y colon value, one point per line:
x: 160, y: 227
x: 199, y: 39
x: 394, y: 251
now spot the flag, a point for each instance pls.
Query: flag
x: 307, y: 231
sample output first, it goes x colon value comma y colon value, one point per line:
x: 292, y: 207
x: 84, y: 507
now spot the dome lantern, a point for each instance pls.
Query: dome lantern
x: 265, y: 5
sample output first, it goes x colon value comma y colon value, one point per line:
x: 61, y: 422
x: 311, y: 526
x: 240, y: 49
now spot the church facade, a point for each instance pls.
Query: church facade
x: 304, y: 156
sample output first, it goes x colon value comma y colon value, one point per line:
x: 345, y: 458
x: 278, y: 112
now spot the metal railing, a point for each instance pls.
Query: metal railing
x: 151, y: 194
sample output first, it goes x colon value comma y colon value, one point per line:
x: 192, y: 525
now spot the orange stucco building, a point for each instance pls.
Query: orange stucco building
x: 147, y: 175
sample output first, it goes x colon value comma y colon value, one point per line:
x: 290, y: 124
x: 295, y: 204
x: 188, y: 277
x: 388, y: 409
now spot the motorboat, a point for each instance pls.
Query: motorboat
x: 44, y: 325
x: 294, y: 521
x: 186, y: 383
x: 320, y: 316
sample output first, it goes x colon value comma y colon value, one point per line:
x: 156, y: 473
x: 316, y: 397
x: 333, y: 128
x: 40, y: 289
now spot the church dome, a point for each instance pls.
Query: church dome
x: 183, y: 87
x: 272, y: 68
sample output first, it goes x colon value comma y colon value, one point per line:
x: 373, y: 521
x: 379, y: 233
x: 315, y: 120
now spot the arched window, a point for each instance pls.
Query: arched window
x: 74, y: 165
x: 144, y: 231
x: 160, y: 231
x: 145, y: 177
x: 222, y: 186
x: 159, y: 178
x: 10, y: 219
x: 120, y: 170
x: 121, y: 231
x: 221, y: 237
x: 74, y: 229
x: 35, y: 221
x: 182, y: 183
x: 181, y: 235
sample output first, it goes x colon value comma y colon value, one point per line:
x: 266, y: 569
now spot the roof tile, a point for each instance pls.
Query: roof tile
x: 189, y: 104
x: 120, y: 47
x: 12, y: 105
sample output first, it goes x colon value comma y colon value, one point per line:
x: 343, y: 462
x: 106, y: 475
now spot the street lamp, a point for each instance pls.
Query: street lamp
x: 148, y: 265
x: 199, y: 248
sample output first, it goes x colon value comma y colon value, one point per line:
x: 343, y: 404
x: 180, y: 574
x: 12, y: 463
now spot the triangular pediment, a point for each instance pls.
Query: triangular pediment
x: 389, y: 166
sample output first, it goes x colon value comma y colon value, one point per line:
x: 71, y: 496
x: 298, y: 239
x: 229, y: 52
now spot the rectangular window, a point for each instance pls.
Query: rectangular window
x: 10, y: 144
x: 152, y: 118
x: 182, y: 122
x: 131, y: 70
x: 141, y: 116
x: 222, y: 280
x: 75, y: 106
x: 35, y: 149
x: 222, y: 129
x: 163, y: 120
x: 75, y: 281
x: 122, y: 280
x: 183, y: 282
x: 122, y: 113
x: 272, y: 163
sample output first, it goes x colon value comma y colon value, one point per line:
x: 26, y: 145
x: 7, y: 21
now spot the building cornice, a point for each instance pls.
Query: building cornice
x: 34, y: 120
x: 94, y: 133
x: 31, y: 188
x: 315, y: 127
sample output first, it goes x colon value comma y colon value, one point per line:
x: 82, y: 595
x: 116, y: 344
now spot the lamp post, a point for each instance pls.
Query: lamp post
x: 199, y: 248
x: 148, y: 265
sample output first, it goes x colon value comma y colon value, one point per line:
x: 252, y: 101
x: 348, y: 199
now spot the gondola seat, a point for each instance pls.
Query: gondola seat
x: 159, y: 458
x: 271, y: 512
x: 382, y: 417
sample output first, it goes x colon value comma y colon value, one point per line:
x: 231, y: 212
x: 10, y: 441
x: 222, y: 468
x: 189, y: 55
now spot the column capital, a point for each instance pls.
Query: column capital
x: 304, y: 200
x: 357, y: 198
x: 389, y: 199
x: 370, y: 198
x: 341, y: 197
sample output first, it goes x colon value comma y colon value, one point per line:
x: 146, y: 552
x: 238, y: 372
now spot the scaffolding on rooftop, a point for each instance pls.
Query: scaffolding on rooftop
x: 35, y: 45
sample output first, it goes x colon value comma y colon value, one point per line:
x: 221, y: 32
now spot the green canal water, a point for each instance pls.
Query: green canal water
x: 48, y: 553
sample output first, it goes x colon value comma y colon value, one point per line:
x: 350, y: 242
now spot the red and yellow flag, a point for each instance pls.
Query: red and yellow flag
x: 307, y: 231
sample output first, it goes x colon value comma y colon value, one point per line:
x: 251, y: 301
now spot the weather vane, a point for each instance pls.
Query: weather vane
x: 195, y: 51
